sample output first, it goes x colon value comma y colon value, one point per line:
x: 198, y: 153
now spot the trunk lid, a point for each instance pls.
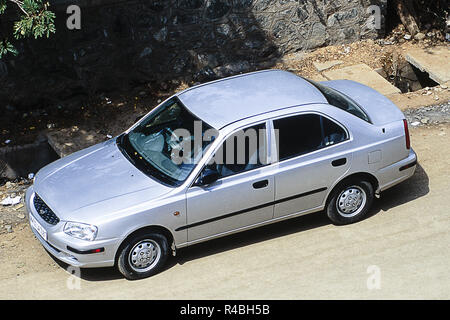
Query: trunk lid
x: 380, y: 109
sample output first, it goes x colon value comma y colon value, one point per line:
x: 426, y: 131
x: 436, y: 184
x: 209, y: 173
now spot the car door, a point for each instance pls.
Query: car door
x: 313, y: 153
x: 244, y: 193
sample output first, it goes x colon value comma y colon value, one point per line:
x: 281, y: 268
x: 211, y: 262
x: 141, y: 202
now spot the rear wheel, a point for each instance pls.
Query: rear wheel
x: 143, y: 255
x: 350, y: 201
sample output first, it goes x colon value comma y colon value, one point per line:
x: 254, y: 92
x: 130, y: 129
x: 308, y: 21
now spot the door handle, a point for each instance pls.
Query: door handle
x: 261, y: 184
x: 339, y: 162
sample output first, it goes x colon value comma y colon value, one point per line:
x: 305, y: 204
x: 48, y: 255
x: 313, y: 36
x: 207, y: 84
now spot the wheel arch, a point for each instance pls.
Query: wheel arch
x: 152, y: 228
x: 359, y: 175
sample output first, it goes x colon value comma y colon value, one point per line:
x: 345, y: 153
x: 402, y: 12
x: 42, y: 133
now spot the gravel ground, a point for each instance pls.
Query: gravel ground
x: 405, y: 240
x: 428, y: 115
x: 13, y: 215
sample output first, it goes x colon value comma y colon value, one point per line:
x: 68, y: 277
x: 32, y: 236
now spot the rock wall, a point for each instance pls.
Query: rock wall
x: 122, y: 44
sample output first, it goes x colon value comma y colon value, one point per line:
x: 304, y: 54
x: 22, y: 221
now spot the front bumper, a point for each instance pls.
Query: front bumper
x: 57, y: 242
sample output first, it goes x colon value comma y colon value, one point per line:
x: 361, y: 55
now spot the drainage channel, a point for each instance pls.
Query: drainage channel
x: 19, y: 161
x: 403, y: 75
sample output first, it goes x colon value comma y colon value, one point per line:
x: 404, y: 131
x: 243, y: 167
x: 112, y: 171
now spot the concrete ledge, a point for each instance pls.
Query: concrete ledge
x: 322, y: 66
x: 435, y: 61
x: 364, y: 74
x: 70, y: 140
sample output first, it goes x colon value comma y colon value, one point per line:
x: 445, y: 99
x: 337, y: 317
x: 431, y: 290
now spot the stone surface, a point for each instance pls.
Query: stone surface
x: 420, y: 36
x: 318, y: 78
x: 364, y: 74
x: 67, y: 141
x: 124, y: 43
x: 322, y: 66
x: 434, y: 61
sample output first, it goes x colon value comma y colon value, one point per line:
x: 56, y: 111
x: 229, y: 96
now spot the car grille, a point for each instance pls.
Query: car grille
x: 44, y: 211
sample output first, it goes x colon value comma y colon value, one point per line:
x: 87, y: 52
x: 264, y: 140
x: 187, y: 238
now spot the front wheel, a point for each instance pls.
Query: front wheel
x: 143, y: 255
x: 350, y: 202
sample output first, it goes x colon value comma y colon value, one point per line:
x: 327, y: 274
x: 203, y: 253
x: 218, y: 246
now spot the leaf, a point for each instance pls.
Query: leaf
x: 36, y: 25
x: 2, y: 6
x: 7, y: 47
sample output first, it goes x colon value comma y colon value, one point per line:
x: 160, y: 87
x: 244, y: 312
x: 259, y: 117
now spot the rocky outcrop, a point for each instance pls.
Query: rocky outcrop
x: 122, y: 44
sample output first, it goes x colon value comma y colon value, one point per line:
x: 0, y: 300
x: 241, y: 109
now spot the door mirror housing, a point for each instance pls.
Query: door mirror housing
x: 207, y: 177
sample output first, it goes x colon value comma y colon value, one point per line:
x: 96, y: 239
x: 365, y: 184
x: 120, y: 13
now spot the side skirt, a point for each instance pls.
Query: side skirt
x: 253, y: 226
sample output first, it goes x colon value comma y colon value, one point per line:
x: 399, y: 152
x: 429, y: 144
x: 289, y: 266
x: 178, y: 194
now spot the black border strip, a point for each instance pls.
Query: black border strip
x: 250, y: 209
x: 232, y: 309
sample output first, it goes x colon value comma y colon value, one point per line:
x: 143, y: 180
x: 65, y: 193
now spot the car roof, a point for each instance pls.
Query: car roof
x: 232, y: 99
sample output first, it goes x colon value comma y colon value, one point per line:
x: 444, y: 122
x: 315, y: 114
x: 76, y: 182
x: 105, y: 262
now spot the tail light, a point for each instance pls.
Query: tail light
x: 408, y: 141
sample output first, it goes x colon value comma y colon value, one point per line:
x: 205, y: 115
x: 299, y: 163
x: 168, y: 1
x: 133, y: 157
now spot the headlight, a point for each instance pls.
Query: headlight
x: 81, y: 230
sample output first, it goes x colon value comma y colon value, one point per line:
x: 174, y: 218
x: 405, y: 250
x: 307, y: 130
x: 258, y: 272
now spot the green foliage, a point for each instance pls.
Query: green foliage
x: 7, y: 47
x: 35, y: 20
x: 2, y: 6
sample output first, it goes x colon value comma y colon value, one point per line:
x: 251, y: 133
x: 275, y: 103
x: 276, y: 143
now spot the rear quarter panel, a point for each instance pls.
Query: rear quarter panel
x: 373, y: 147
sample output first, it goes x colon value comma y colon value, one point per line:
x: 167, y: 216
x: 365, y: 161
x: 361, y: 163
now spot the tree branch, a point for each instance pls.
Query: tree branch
x: 406, y: 13
x: 20, y: 5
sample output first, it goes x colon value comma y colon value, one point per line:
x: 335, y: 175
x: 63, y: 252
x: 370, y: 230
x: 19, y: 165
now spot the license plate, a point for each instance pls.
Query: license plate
x: 37, y: 226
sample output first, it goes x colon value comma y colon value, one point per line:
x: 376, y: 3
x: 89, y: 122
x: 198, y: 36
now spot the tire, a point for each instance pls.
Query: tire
x: 350, y: 201
x: 152, y: 250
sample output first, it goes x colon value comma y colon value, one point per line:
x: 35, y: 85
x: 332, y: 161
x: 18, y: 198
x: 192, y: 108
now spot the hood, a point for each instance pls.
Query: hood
x: 380, y: 109
x: 100, y: 176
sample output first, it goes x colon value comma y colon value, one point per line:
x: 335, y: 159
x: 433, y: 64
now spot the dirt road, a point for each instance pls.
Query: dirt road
x: 400, y: 252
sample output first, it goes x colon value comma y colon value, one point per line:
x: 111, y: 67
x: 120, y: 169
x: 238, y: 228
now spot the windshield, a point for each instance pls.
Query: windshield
x: 168, y: 143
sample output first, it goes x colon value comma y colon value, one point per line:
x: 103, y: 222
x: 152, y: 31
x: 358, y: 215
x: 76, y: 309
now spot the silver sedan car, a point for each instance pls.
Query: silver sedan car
x: 216, y: 159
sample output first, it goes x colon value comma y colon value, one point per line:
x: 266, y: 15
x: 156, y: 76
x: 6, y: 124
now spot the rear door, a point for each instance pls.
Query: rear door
x: 313, y: 154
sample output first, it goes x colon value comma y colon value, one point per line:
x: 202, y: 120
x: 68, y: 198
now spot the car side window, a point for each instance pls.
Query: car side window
x: 332, y: 132
x: 244, y: 150
x: 297, y: 135
x: 301, y: 134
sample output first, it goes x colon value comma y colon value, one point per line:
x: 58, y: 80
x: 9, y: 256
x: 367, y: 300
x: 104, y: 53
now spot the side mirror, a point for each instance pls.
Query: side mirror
x: 207, y: 177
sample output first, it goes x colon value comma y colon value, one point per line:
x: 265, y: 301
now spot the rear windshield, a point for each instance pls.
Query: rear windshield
x: 341, y: 101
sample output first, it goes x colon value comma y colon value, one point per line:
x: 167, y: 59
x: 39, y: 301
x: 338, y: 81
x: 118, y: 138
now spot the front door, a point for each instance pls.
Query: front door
x: 244, y: 193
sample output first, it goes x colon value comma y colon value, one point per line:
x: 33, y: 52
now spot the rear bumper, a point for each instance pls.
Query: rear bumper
x: 57, y: 242
x: 397, y: 172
